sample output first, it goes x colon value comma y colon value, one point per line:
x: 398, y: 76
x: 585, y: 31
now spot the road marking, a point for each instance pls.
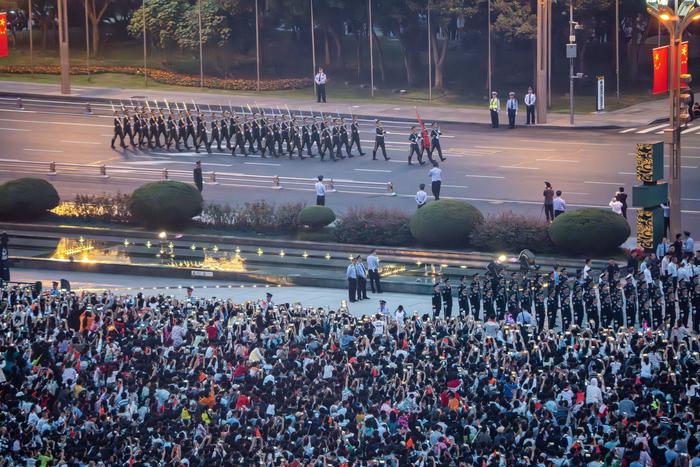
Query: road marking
x: 455, y: 186
x: 78, y: 142
x: 690, y: 199
x: 690, y: 130
x: 691, y: 157
x: 559, y: 160
x: 626, y: 173
x: 43, y: 150
x: 16, y: 129
x: 683, y: 166
x: 575, y: 193
x: 649, y: 130
x: 514, y: 149
x: 262, y: 163
x: 485, y: 176
x: 373, y: 170
x: 518, y: 167
x: 605, y: 183
x: 562, y: 142
x: 629, y: 130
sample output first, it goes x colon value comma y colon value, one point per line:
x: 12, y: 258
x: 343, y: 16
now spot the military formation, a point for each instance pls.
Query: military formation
x: 278, y: 135
x: 613, y: 299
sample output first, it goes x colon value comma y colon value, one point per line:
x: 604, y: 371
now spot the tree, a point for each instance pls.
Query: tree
x: 215, y: 29
x: 514, y: 19
x: 163, y: 17
x: 96, y: 10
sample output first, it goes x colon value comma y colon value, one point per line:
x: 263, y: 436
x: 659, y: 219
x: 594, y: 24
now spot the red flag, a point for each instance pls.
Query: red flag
x: 423, y: 132
x: 3, y: 35
x: 684, y: 58
x: 660, y: 61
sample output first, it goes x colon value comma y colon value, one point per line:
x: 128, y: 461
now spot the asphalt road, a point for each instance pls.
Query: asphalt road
x: 496, y: 170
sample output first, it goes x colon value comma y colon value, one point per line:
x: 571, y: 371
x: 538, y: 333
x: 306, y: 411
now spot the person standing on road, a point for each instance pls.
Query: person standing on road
x: 530, y: 99
x: 622, y: 198
x: 512, y: 107
x: 436, y: 179
x: 548, y: 207
x: 494, y: 108
x: 320, y: 80
x: 435, y: 133
x: 197, y: 175
x: 379, y: 141
x: 351, y: 275
x: 421, y: 196
x: 373, y: 270
x: 320, y: 192
x: 559, y: 204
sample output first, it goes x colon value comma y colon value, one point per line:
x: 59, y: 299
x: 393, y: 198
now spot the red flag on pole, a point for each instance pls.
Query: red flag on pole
x: 660, y: 62
x: 684, y: 58
x: 423, y: 132
x: 3, y: 35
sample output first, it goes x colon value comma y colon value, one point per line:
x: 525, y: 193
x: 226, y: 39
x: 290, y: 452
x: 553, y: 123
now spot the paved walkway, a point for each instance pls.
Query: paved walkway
x: 633, y: 116
x: 307, y: 296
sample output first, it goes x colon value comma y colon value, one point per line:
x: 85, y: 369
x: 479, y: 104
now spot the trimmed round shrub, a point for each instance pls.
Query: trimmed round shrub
x: 589, y: 231
x: 512, y: 232
x: 374, y: 226
x: 316, y: 217
x: 445, y: 222
x: 27, y: 198
x: 165, y: 204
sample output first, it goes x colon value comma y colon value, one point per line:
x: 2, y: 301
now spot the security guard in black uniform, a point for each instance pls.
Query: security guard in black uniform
x: 565, y: 298
x: 630, y: 293
x: 447, y: 298
x: 355, y: 135
x: 463, y: 297
x: 379, y: 141
x: 475, y: 296
x: 437, y: 301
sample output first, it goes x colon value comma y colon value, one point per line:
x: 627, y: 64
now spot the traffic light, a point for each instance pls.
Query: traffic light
x: 685, y: 98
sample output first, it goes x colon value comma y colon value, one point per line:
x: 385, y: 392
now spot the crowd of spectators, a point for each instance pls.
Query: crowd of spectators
x: 97, y: 379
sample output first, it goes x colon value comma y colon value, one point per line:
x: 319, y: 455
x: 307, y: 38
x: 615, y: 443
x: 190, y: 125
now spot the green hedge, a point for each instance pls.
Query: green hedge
x: 27, y: 198
x: 511, y: 232
x: 165, y: 204
x: 374, y: 226
x: 589, y: 231
x: 316, y: 217
x: 445, y: 223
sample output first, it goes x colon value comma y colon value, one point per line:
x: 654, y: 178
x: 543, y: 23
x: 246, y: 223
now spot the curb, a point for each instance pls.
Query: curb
x: 52, y: 97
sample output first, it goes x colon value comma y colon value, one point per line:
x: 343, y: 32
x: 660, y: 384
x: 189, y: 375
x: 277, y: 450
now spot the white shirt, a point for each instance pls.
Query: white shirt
x: 320, y: 189
x: 378, y: 327
x: 421, y: 197
x: 320, y: 78
x: 435, y: 174
x: 512, y: 104
x: 530, y: 98
x: 616, y: 206
x: 559, y: 204
x: 372, y: 262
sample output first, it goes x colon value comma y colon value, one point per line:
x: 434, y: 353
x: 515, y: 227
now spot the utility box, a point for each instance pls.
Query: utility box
x: 570, y: 50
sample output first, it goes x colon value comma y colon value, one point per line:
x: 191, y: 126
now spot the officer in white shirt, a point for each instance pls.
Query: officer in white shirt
x: 435, y: 175
x: 421, y: 196
x: 373, y: 270
x: 320, y: 192
x: 320, y: 80
x: 530, y: 99
x: 512, y: 108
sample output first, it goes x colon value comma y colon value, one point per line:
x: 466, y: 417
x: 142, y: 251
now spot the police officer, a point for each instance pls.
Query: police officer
x: 414, y: 139
x: 197, y: 175
x: 629, y: 291
x: 435, y: 133
x: 355, y: 135
x: 494, y: 109
x: 437, y: 300
x: 118, y: 131
x: 463, y: 297
x: 475, y: 296
x: 361, y: 279
x: 379, y: 141
x: 447, y: 297
x: 351, y: 275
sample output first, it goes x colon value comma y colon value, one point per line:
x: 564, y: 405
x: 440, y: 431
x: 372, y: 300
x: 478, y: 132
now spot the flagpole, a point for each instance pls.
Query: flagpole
x: 31, y: 39
x: 257, y: 47
x: 430, y: 60
x: 370, y: 30
x: 87, y: 40
x: 313, y: 43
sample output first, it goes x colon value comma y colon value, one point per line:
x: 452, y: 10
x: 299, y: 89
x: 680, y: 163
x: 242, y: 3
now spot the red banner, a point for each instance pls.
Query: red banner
x: 3, y: 35
x: 684, y: 58
x: 423, y: 132
x: 660, y: 62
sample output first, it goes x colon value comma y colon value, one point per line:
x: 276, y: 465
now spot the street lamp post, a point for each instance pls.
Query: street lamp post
x: 201, y: 63
x: 145, y: 61
x: 31, y: 38
x: 430, y: 58
x: 313, y: 42
x: 370, y: 33
x: 675, y: 19
x: 257, y: 48
x: 63, y: 50
x: 87, y: 41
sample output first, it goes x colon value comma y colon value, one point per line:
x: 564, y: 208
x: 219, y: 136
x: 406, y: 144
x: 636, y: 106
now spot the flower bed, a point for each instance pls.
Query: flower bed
x: 169, y: 77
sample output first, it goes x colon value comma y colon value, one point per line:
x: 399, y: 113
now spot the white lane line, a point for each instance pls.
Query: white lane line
x: 628, y: 130
x: 16, y: 129
x: 690, y: 157
x: 576, y: 193
x: 78, y: 142
x: 373, y: 170
x: 485, y: 176
x: 514, y: 149
x: 559, y: 160
x: 605, y: 183
x: 262, y: 163
x: 650, y: 129
x: 455, y: 186
x: 690, y: 199
x: 55, y: 123
x: 690, y: 130
x: 42, y: 150
x: 682, y: 166
x: 660, y: 132
x: 626, y: 173
x: 518, y: 167
x: 562, y: 142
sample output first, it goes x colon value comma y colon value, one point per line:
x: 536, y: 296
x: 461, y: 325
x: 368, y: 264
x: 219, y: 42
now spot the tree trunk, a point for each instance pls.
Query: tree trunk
x: 44, y: 33
x: 380, y: 51
x: 338, y: 46
x: 358, y: 56
x: 326, y: 48
x: 439, y: 58
x: 95, y: 39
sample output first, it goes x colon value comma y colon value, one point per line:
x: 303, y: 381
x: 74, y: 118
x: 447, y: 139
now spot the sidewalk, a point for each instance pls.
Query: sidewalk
x: 636, y: 115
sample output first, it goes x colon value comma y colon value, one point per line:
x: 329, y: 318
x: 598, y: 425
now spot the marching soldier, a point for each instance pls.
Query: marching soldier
x: 463, y: 297
x: 182, y: 130
x: 670, y: 302
x: 126, y: 128
x: 379, y: 141
x: 335, y: 131
x: 315, y: 136
x: 118, y: 131
x: 344, y: 141
x: 295, y: 139
x: 355, y: 135
x: 284, y: 129
x: 225, y: 135
x: 269, y: 138
x: 414, y: 138
x: 435, y: 133
x: 326, y: 140
x: 255, y: 129
x: 552, y: 305
x: 577, y: 300
x: 565, y: 294
x: 475, y: 296
x: 202, y: 137
x: 590, y: 300
x: 215, y: 133
x: 540, y: 313
x: 306, y: 137
x: 657, y: 313
x: 239, y: 138
x: 277, y: 136
x: 190, y: 132
x: 618, y: 319
x: 153, y: 130
x: 161, y: 127
x: 172, y: 133
x: 605, y: 306
x: 695, y: 302
x: 136, y: 127
x: 501, y: 298
x: 684, y: 301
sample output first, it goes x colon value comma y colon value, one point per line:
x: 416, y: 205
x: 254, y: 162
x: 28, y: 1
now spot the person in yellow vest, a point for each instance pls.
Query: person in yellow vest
x: 494, y: 108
